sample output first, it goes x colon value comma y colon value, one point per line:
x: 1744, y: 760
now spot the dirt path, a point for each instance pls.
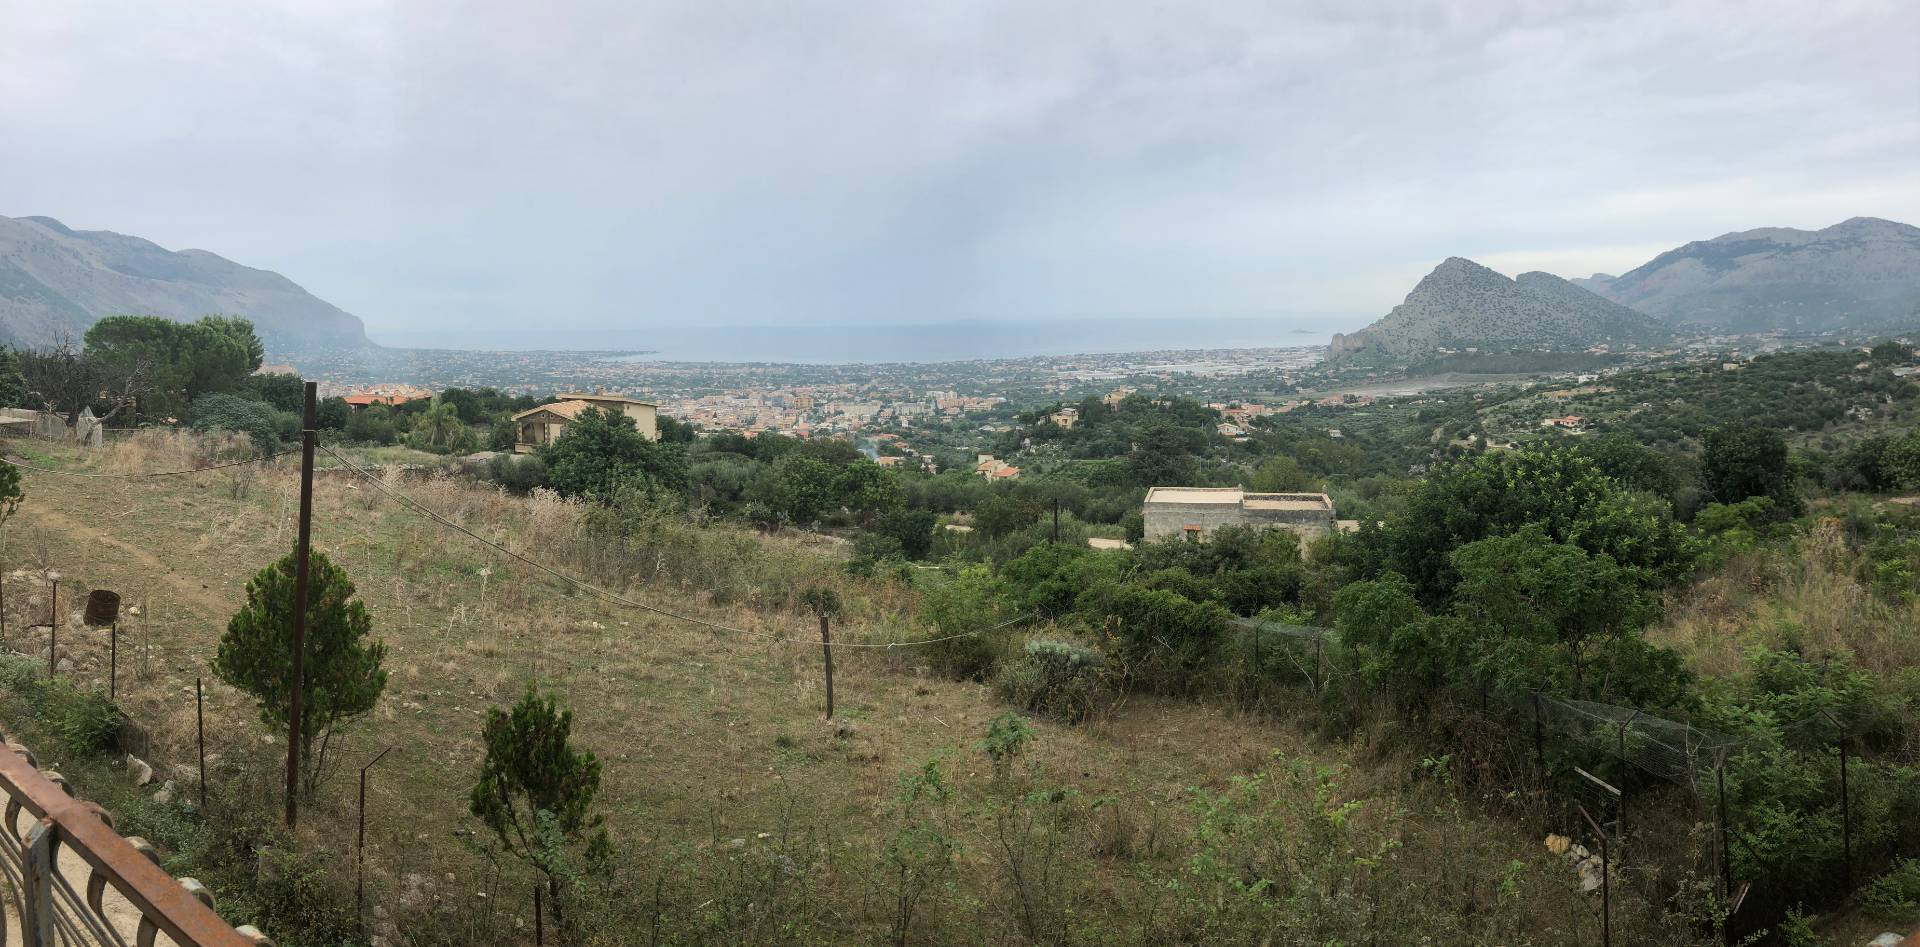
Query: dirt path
x: 188, y: 591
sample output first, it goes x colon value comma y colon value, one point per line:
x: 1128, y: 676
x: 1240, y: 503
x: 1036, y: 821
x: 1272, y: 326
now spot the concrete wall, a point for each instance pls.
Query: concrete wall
x: 1172, y: 519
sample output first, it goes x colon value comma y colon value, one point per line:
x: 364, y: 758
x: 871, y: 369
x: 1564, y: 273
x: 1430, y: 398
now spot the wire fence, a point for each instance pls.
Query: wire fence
x: 1656, y: 787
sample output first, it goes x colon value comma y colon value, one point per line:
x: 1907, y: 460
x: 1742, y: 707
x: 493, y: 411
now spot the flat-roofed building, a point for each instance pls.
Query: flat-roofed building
x: 1195, y: 512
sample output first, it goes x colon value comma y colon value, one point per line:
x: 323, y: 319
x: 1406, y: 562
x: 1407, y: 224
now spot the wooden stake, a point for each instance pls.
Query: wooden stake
x: 826, y: 649
x: 297, y: 677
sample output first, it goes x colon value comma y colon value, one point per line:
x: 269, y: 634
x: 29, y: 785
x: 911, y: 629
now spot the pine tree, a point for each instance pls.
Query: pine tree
x: 342, y: 667
x: 535, y: 792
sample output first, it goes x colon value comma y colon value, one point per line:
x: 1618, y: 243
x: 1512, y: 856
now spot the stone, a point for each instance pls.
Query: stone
x: 269, y: 866
x: 1886, y: 940
x: 165, y: 795
x: 139, y: 770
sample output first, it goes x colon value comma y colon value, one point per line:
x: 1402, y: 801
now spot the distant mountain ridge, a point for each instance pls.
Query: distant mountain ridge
x: 56, y: 280
x: 1861, y: 273
x: 1462, y: 304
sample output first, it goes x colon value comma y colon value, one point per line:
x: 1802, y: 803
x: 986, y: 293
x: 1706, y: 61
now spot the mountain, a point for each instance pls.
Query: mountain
x: 1462, y: 304
x: 56, y: 280
x: 1859, y: 274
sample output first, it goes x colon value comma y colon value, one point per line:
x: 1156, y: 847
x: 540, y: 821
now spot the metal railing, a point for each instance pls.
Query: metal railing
x: 125, y: 898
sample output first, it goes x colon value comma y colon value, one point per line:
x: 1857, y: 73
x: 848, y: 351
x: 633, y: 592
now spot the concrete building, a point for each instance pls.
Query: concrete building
x: 1195, y: 512
x: 537, y: 427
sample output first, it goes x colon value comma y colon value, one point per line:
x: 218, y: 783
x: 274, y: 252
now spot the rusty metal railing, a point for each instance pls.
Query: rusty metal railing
x: 128, y: 900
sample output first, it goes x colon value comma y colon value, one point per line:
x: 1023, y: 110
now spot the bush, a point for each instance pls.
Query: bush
x: 84, y: 721
x: 1895, y: 896
x: 517, y: 474
x: 1166, y: 638
x: 969, y: 604
x: 1056, y: 678
x: 224, y: 412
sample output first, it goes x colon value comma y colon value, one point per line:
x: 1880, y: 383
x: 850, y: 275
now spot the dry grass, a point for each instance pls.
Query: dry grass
x: 708, y: 737
x: 1809, y: 597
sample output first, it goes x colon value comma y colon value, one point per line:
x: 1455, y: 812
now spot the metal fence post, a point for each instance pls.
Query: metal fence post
x: 53, y: 626
x: 360, y: 845
x: 200, y: 732
x: 1606, y: 881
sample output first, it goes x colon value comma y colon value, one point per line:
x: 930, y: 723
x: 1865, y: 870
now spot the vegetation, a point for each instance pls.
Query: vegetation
x: 1727, y: 586
x: 342, y: 669
x: 536, y: 794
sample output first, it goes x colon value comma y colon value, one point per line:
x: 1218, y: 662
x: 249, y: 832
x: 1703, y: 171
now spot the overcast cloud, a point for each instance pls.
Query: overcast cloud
x: 432, y: 165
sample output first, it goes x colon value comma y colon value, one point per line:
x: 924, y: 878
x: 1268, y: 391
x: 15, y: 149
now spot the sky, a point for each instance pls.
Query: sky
x: 438, y: 167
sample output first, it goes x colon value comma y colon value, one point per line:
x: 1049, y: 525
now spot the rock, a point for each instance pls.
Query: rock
x: 139, y: 770
x: 269, y: 866
x: 737, y: 843
x: 184, y: 772
x: 165, y: 795
x: 843, y: 729
x: 1886, y: 940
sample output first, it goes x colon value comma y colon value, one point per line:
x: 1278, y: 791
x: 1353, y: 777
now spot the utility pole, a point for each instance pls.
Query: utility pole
x: 298, y: 677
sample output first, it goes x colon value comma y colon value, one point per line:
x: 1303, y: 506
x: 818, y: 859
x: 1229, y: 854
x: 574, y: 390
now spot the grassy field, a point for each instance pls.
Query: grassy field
x: 740, y: 814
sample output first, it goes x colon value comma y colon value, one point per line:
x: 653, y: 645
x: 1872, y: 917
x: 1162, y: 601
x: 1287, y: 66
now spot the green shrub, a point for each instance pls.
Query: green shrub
x: 517, y: 474
x: 1894, y: 896
x: 970, y: 605
x: 1166, y: 639
x: 224, y: 412
x: 84, y: 720
x: 1055, y: 677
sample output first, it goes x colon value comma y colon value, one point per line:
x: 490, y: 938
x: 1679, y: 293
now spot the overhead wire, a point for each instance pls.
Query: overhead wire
x: 423, y: 510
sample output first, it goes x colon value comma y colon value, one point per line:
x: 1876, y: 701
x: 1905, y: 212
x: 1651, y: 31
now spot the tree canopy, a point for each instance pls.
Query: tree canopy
x: 602, y: 453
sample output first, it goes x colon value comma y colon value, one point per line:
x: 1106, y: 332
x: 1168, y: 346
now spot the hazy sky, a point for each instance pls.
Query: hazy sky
x: 433, y: 165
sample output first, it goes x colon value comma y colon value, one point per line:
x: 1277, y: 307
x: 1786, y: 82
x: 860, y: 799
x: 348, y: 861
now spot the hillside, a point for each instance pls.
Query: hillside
x: 56, y: 280
x: 1860, y: 273
x: 738, y: 814
x: 1462, y: 304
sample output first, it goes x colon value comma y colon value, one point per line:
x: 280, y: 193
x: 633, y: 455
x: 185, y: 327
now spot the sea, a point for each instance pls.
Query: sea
x: 832, y: 345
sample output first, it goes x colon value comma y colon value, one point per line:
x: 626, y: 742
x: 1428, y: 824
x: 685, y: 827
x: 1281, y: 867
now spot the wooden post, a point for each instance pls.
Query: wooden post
x: 1846, y: 818
x: 200, y: 730
x: 539, y: 919
x: 297, y: 678
x: 826, y: 650
x: 36, y: 885
x: 113, y: 661
x: 3, y: 606
x: 1726, y: 854
x: 1319, y: 643
x: 1056, y: 521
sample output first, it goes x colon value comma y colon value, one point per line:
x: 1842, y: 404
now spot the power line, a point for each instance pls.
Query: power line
x: 423, y: 510
x: 141, y: 476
